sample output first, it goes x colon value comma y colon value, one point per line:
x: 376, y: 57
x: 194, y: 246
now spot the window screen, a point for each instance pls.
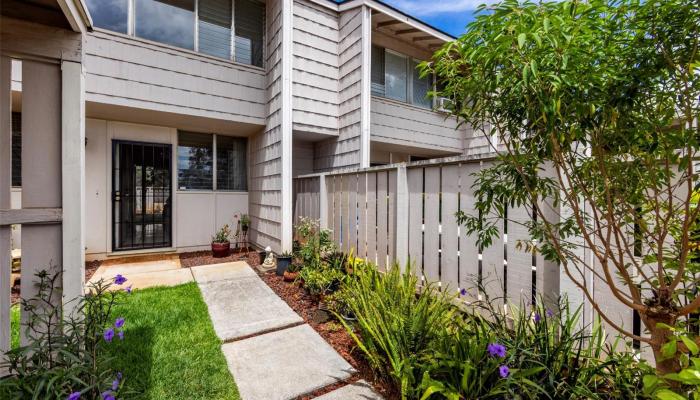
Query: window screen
x: 166, y: 21
x: 421, y: 87
x: 231, y: 155
x: 377, y: 71
x: 249, y: 24
x: 195, y: 157
x: 396, y: 75
x: 109, y: 14
x: 215, y: 27
x: 16, y: 149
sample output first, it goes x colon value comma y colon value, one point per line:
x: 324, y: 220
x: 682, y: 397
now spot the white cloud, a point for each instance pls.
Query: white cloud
x: 422, y: 8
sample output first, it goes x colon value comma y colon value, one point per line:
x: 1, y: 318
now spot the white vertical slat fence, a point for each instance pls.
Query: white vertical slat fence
x: 407, y: 212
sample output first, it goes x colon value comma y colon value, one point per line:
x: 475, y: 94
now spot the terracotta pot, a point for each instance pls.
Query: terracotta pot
x: 290, y: 276
x: 221, y: 249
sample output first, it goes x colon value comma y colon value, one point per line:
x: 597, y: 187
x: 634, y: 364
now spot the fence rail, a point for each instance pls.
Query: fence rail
x: 407, y: 213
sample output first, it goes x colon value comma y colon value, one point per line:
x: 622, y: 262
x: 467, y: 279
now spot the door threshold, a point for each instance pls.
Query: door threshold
x: 140, y: 252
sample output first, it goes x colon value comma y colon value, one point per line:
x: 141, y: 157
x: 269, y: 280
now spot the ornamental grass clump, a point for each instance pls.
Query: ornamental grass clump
x: 65, y: 355
x: 396, y: 329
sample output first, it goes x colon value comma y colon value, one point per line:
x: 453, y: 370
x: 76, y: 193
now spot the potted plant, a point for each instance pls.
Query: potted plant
x: 245, y: 222
x: 292, y: 272
x: 283, y: 262
x: 220, y: 243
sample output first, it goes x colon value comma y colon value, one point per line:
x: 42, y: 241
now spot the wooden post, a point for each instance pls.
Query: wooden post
x: 323, y: 201
x: 73, y: 181
x: 401, y: 230
x: 5, y: 184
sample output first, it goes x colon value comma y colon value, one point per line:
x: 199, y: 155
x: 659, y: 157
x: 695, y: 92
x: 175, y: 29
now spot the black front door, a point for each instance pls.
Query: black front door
x: 141, y: 195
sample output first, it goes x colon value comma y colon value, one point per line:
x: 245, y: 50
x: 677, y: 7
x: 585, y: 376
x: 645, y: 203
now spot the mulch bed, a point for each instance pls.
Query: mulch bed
x: 195, y: 258
x: 333, y: 332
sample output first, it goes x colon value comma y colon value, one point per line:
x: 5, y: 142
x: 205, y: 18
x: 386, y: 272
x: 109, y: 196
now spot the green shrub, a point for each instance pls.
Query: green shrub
x: 65, y: 353
x: 397, y: 329
x: 321, y: 281
x: 311, y: 242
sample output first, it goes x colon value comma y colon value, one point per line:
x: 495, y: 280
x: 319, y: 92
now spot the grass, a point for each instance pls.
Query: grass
x: 170, y: 350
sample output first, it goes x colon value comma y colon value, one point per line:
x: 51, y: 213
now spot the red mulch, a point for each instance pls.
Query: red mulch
x: 333, y: 332
x: 195, y: 258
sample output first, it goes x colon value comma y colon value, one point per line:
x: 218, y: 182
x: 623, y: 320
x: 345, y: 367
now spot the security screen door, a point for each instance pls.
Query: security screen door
x: 141, y: 195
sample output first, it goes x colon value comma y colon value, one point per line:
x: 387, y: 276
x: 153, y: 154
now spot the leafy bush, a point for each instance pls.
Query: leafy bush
x: 429, y: 349
x: 397, y: 329
x: 321, y: 281
x: 312, y: 242
x: 65, y: 356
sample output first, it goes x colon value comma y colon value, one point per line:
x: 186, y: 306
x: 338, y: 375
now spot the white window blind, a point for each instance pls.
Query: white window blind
x: 396, y: 76
x: 215, y: 27
x: 249, y: 21
x: 377, y: 71
x: 421, y: 87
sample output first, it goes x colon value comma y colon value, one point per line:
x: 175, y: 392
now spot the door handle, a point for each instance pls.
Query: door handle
x: 116, y: 195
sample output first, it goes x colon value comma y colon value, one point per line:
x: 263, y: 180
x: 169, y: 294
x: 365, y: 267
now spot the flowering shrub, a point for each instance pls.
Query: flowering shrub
x: 429, y: 349
x: 65, y: 357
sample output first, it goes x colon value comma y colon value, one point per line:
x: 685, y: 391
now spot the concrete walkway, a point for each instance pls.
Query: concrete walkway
x: 270, y: 352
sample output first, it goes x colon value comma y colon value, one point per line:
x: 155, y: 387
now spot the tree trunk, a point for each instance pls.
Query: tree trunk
x: 659, y: 337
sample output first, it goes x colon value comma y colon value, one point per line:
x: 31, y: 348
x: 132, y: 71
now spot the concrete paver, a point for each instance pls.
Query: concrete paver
x: 244, y: 306
x: 284, y: 364
x: 360, y: 390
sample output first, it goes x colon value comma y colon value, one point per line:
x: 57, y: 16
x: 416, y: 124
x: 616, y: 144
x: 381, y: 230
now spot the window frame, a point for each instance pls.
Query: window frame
x: 131, y: 31
x: 215, y: 166
x: 410, y: 76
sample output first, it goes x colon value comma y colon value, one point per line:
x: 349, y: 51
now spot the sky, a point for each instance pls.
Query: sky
x: 451, y: 16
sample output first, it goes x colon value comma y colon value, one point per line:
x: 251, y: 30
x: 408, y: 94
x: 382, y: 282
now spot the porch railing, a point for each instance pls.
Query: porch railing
x: 406, y: 212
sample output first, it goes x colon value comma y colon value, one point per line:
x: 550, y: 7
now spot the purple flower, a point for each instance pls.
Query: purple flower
x: 550, y: 314
x: 119, y: 279
x: 128, y: 289
x: 74, y: 396
x: 119, y: 322
x: 108, y: 335
x: 115, y: 384
x: 496, y: 350
x: 121, y: 335
x: 503, y: 371
x: 107, y: 396
x: 119, y: 375
x: 463, y: 292
x: 538, y: 318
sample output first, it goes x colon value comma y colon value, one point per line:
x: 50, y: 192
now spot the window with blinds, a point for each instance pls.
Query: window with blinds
x: 397, y: 77
x: 377, y: 71
x: 249, y: 24
x: 229, y: 29
x: 215, y: 27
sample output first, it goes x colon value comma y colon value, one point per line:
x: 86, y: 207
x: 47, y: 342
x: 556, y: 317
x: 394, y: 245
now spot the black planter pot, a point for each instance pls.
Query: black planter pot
x: 282, y: 264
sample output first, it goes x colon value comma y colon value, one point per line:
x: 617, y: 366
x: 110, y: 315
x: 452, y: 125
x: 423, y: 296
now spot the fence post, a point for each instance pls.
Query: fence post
x: 5, y: 183
x: 401, y: 229
x: 322, y: 202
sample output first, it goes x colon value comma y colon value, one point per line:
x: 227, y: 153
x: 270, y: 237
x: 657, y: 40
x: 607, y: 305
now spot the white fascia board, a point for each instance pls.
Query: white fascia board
x: 412, y: 22
x: 77, y: 15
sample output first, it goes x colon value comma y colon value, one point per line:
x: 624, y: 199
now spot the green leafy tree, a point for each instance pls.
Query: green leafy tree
x: 594, y: 105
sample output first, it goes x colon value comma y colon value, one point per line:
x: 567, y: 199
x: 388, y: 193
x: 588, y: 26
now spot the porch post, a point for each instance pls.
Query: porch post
x: 5, y: 184
x: 286, y: 207
x: 400, y: 231
x: 73, y: 178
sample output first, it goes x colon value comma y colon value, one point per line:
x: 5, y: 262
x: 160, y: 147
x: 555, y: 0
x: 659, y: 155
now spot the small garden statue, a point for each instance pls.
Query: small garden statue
x: 269, y: 262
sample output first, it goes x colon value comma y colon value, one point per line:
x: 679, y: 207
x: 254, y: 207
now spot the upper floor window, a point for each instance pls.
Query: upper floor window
x: 396, y: 76
x: 229, y: 29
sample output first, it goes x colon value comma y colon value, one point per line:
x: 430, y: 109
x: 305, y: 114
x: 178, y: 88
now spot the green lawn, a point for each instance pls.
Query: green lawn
x: 170, y: 350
